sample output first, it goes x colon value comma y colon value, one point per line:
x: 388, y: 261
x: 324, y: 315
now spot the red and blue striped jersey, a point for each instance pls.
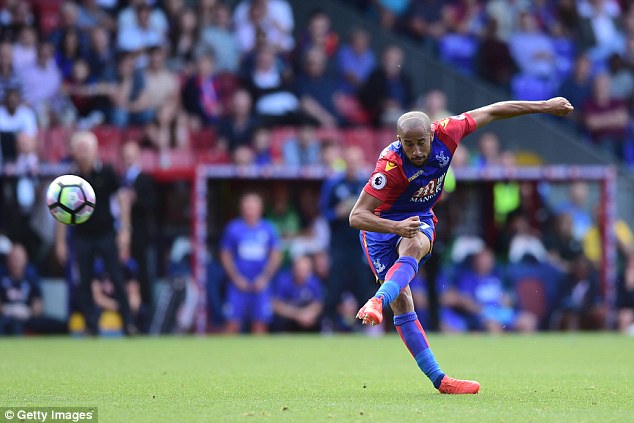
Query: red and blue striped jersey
x: 407, y: 190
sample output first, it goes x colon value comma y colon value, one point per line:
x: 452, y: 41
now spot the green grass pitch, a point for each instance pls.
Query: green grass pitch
x: 540, y: 378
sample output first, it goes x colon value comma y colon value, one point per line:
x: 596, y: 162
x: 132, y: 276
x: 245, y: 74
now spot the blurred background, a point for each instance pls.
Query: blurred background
x: 275, y: 111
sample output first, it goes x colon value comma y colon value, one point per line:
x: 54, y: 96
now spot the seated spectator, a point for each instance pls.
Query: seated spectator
x: 15, y: 118
x: 25, y: 49
x: 580, y: 305
x: 313, y: 237
x: 250, y: 256
x: 21, y: 304
x: 243, y: 156
x: 494, y: 61
x: 68, y: 21
x: 387, y: 92
x: 424, y: 22
x: 262, y: 147
x: 8, y: 76
x: 605, y: 118
x: 434, y: 104
x: 578, y: 207
x: 103, y: 291
x: 621, y: 79
x: 168, y: 130
x: 284, y: 216
x: 126, y: 92
x: 68, y: 53
x: 201, y: 95
x: 478, y: 301
x: 489, y: 153
x: 304, y: 150
x: 297, y: 299
x: 577, y: 87
x: 507, y: 14
x: 91, y: 106
x: 356, y: 60
x: 42, y: 84
x: 91, y: 15
x: 183, y: 41
x: 271, y: 87
x: 563, y: 248
x: 319, y: 34
x: 101, y: 55
x: 161, y: 85
x: 599, y: 30
x: 525, y: 241
x: 532, y: 50
x: 220, y: 38
x: 140, y: 26
x: 237, y: 127
x: 317, y: 91
x: 390, y: 12
x: 272, y: 18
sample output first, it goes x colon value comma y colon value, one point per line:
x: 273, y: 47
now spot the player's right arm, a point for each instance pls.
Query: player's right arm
x: 557, y: 106
x: 362, y: 217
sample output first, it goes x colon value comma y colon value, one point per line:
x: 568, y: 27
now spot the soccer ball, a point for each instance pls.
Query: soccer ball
x: 70, y: 199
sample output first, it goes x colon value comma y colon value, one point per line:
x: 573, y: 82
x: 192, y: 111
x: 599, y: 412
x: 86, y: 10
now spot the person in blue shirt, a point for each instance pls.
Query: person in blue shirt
x: 298, y: 298
x: 250, y: 254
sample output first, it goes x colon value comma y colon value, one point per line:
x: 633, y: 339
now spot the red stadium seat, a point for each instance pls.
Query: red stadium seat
x: 148, y: 160
x: 203, y: 140
x: 54, y: 144
x: 531, y: 295
x: 108, y: 136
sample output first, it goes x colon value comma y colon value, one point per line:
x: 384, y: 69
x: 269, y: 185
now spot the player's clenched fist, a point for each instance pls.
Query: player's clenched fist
x: 559, y: 106
x: 409, y: 227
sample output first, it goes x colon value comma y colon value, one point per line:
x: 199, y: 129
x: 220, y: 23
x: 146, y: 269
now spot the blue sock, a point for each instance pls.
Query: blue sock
x: 414, y: 337
x: 397, y: 278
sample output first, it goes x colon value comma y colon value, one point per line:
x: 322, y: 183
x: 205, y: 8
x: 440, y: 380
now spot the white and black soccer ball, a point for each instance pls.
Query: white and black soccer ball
x: 71, y: 199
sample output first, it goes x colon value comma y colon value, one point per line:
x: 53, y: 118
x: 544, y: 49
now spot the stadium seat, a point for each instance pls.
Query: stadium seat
x: 107, y: 135
x: 148, y: 160
x: 54, y: 144
x: 203, y: 140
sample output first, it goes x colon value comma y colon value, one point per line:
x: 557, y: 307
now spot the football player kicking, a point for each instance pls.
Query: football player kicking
x: 394, y: 214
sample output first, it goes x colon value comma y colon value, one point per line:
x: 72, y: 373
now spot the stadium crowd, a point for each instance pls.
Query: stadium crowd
x: 166, y: 84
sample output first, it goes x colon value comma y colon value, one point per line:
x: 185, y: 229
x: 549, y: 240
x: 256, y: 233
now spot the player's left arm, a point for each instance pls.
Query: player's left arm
x: 557, y: 106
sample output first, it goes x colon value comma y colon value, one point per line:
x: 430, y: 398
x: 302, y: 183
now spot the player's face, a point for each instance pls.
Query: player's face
x: 416, y: 143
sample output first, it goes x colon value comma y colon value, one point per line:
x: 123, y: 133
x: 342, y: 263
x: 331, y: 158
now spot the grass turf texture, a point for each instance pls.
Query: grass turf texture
x: 541, y: 378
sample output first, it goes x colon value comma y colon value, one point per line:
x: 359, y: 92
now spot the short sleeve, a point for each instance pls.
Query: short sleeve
x: 453, y: 129
x: 386, y: 181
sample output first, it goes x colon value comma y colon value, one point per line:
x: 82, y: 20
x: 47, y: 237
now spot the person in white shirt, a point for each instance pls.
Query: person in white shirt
x: 15, y: 118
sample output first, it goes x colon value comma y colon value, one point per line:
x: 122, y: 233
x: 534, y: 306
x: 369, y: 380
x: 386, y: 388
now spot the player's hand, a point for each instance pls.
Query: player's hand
x: 409, y: 227
x: 261, y: 282
x: 558, y: 106
x: 241, y: 283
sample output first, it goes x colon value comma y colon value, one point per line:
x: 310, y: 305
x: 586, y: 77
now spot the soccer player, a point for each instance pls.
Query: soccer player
x: 394, y: 214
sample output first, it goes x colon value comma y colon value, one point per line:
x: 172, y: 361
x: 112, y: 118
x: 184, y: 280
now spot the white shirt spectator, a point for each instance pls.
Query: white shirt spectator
x: 40, y: 84
x: 23, y: 120
x: 158, y: 22
x: 277, y: 25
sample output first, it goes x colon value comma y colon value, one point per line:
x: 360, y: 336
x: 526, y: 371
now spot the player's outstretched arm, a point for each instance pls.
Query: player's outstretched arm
x: 362, y: 217
x: 557, y: 106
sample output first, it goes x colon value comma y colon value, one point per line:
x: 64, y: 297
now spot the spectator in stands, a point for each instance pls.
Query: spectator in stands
x: 15, y: 118
x: 297, y: 298
x: 318, y: 91
x: 580, y: 304
x: 489, y: 153
x: 219, y: 37
x: 320, y: 35
x: 68, y: 53
x: 104, y: 291
x: 25, y: 49
x: 143, y: 199
x: 507, y: 15
x: 390, y: 12
x: 348, y: 271
x: 270, y: 85
x: 494, y: 62
x: 563, y: 248
x: 387, y: 92
x: 284, y: 217
x: 524, y: 242
x: 271, y: 18
x: 8, y: 76
x: 577, y: 206
x: 236, y: 128
x: 161, y: 85
x: 140, y: 25
x: 577, y: 87
x: 532, y: 50
x: 313, y: 238
x: 331, y: 155
x: 250, y: 255
x: 168, y: 130
x: 21, y: 304
x: 478, y: 301
x: 262, y: 147
x: 424, y: 22
x: 243, y: 156
x: 599, y: 30
x: 621, y: 79
x: 434, y: 104
x: 356, y: 61
x: 98, y: 237
x: 69, y: 21
x: 304, y: 149
x: 83, y: 91
x: 127, y: 95
x: 202, y: 95
x: 101, y: 55
x: 41, y: 84
x: 605, y: 118
x: 92, y: 15
x: 183, y: 40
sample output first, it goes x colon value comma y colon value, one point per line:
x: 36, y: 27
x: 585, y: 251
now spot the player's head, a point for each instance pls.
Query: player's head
x: 84, y: 149
x: 413, y: 130
x: 251, y: 207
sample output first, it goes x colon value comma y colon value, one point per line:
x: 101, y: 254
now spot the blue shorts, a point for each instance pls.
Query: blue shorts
x: 381, y: 250
x: 248, y: 306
